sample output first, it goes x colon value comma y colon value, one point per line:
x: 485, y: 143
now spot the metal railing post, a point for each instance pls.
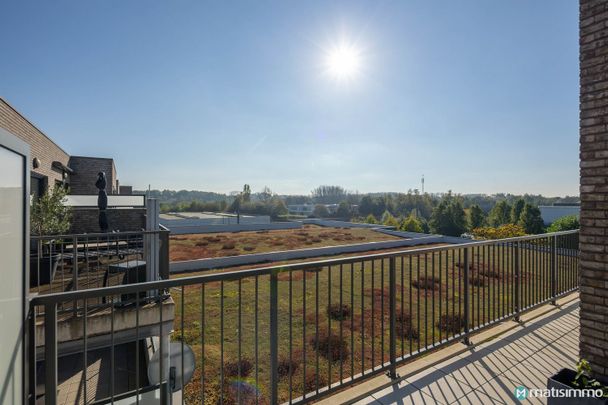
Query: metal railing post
x: 516, y: 283
x: 392, y: 373
x: 163, y: 255
x: 75, y: 264
x: 75, y: 270
x: 467, y: 297
x: 553, y: 270
x: 31, y: 356
x: 274, y: 338
x: 50, y: 354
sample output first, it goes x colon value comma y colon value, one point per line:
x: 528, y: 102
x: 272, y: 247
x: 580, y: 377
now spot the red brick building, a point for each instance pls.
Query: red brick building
x: 594, y: 184
x: 51, y: 165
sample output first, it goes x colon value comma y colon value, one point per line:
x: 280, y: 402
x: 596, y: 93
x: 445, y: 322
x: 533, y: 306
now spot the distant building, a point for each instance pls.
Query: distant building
x: 300, y: 209
x: 308, y: 209
x: 125, y: 190
x: 550, y: 213
x: 332, y: 208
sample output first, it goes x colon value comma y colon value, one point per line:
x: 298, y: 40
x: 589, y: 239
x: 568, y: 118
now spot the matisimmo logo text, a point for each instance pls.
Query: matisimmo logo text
x: 521, y: 393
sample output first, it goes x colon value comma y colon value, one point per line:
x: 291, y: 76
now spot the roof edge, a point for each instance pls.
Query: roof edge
x: 32, y: 124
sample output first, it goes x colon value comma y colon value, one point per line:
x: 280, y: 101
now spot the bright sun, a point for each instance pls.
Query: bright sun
x: 343, y: 62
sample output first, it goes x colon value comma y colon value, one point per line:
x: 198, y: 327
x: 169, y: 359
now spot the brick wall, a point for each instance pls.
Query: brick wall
x: 594, y: 184
x: 85, y: 174
x: 42, y: 147
x: 86, y: 220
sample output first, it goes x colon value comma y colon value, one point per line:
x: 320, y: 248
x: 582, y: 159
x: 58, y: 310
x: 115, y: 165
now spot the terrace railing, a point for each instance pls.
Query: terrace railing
x: 73, y: 262
x: 297, y: 332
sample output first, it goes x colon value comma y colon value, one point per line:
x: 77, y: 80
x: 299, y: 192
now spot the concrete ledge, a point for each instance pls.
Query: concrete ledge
x: 256, y: 258
x: 70, y: 328
x: 183, y: 230
x: 342, y: 224
x: 415, y: 235
x: 185, y: 220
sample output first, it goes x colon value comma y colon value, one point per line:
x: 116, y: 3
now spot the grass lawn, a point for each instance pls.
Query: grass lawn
x: 188, y: 247
x: 336, y: 319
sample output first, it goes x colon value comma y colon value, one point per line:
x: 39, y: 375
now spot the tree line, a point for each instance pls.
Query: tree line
x: 446, y: 214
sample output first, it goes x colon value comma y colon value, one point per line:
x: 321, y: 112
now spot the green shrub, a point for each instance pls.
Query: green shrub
x: 411, y: 224
x: 48, y: 215
x: 501, y: 232
x: 566, y: 223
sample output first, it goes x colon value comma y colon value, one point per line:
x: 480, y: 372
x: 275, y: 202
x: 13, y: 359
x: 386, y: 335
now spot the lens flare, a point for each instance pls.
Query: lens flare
x: 248, y: 393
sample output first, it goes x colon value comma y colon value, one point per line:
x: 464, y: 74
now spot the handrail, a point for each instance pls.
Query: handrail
x: 239, y: 274
x: 93, y: 235
x: 490, y: 281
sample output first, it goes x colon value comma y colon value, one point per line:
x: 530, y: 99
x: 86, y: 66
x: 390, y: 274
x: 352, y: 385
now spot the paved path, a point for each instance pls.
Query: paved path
x: 490, y: 372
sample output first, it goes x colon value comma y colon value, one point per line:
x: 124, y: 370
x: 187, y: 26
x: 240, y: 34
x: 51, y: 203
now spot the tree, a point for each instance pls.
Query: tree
x: 265, y: 194
x: 389, y: 220
x: 235, y: 206
x: 344, y: 210
x: 518, y: 207
x: 500, y: 214
x: 370, y: 219
x: 566, y: 223
x: 48, y: 215
x: 278, y: 208
x: 426, y: 228
x: 320, y: 211
x: 448, y: 217
x: 366, y: 206
x: 411, y: 224
x: 531, y: 220
x: 328, y: 194
x: 386, y: 216
x: 246, y: 194
x: 476, y: 216
x: 404, y: 204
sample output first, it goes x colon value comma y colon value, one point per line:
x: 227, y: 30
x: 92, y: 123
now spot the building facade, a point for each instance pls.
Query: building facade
x: 49, y: 162
x: 86, y: 168
x: 51, y: 165
x: 593, y: 28
x: 550, y: 213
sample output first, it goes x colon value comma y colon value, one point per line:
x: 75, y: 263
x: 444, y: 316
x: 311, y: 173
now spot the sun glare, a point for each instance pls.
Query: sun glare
x: 343, y: 62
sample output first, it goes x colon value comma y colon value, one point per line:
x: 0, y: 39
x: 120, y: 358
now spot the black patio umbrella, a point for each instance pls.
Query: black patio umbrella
x: 102, y: 201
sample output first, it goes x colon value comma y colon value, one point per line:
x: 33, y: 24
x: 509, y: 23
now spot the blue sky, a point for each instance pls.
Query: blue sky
x: 479, y: 96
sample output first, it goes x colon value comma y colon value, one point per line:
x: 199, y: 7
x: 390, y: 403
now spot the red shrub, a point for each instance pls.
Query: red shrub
x: 426, y: 283
x: 404, y: 327
x: 477, y: 281
x: 310, y: 383
x: 286, y: 367
x: 338, y: 312
x: 228, y: 246
x: 231, y: 368
x: 330, y: 346
x: 451, y: 323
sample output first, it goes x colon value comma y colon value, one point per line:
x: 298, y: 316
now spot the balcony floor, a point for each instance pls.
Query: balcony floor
x: 507, y: 356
